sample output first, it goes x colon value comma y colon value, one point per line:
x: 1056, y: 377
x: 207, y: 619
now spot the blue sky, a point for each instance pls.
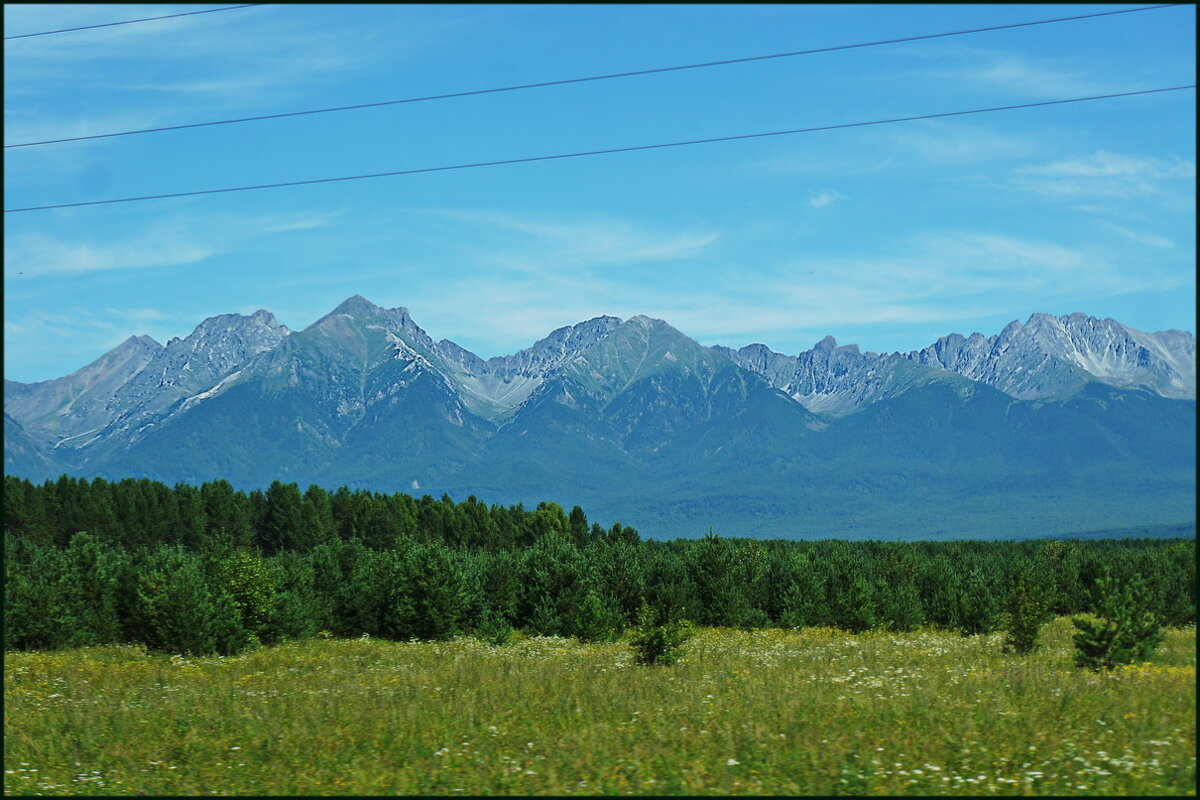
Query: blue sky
x: 885, y: 236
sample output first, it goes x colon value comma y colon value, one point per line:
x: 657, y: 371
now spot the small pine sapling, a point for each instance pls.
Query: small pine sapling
x: 1128, y: 630
x: 494, y: 628
x: 1026, y: 609
x: 659, y: 641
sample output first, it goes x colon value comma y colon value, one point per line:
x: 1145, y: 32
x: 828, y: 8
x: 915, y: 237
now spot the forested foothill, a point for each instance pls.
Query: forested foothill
x: 211, y: 569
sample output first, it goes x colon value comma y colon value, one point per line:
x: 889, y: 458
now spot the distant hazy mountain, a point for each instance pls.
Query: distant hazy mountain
x: 1061, y: 424
x: 1047, y: 357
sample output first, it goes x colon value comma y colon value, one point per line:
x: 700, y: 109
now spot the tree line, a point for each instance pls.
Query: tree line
x: 212, y: 569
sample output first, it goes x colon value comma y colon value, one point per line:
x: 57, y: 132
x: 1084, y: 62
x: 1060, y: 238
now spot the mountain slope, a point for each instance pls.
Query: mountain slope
x: 82, y: 402
x: 1052, y: 356
x: 495, y: 388
x: 25, y: 457
x: 352, y: 393
x: 1061, y: 424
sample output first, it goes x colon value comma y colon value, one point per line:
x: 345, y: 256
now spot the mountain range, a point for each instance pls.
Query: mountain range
x: 1057, y: 425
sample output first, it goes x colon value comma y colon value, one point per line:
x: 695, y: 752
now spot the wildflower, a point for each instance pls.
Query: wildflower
x: 732, y: 762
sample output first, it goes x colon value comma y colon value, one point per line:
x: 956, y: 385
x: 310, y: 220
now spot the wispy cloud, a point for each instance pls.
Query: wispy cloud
x: 75, y: 336
x: 942, y: 142
x: 1142, y: 237
x: 925, y: 143
x: 36, y: 254
x: 138, y: 313
x: 171, y: 240
x: 987, y: 69
x: 1103, y: 174
x: 299, y: 222
x: 826, y: 198
x: 942, y: 277
x: 1027, y: 77
x: 204, y: 66
x: 544, y: 242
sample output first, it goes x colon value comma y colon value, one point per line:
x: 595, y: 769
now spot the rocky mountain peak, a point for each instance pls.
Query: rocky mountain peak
x: 828, y: 343
x: 134, y: 343
x: 357, y: 304
x: 233, y: 336
x: 1053, y: 356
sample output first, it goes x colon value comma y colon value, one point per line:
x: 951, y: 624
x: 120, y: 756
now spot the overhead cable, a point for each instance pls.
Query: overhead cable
x: 131, y: 21
x: 565, y: 81
x: 606, y: 151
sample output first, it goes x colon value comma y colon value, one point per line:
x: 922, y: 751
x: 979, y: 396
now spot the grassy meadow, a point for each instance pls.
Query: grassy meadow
x: 813, y: 711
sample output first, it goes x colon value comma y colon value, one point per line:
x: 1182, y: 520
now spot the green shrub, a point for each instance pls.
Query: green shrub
x: 494, y: 628
x: 659, y: 641
x: 594, y: 620
x: 1127, y: 630
x: 1027, y: 608
x: 977, y: 604
x: 181, y: 614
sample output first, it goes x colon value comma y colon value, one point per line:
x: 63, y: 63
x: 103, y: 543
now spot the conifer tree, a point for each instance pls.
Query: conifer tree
x: 494, y: 628
x: 577, y: 526
x: 544, y: 619
x: 250, y: 585
x: 37, y: 604
x: 594, y: 620
x: 181, y: 613
x: 801, y: 593
x: 552, y: 571
x: 670, y: 590
x: 658, y: 640
x: 92, y: 583
x: 852, y: 602
x: 1027, y: 606
x: 299, y: 612
x: 621, y: 575
x: 1063, y: 563
x: 227, y: 515
x: 714, y: 567
x: 899, y: 603
x: 437, y: 593
x: 283, y: 518
x: 1128, y: 630
x: 977, y: 602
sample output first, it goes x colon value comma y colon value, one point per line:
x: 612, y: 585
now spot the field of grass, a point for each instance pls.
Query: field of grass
x: 746, y: 712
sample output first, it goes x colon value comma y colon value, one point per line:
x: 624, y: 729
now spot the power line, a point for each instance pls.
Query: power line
x: 597, y: 152
x: 131, y: 21
x: 610, y: 76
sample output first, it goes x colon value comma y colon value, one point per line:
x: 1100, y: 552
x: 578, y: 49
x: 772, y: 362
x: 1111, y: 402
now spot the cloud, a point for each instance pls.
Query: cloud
x: 945, y: 274
x: 826, y: 198
x: 226, y: 64
x: 171, y: 240
x: 984, y: 69
x: 299, y: 222
x: 941, y: 142
x: 1141, y: 237
x: 41, y: 345
x: 926, y: 142
x: 544, y: 243
x: 937, y: 276
x: 138, y: 313
x: 1021, y: 75
x: 1103, y: 174
x: 36, y: 254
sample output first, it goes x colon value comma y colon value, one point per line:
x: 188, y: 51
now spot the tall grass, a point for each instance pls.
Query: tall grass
x: 745, y: 712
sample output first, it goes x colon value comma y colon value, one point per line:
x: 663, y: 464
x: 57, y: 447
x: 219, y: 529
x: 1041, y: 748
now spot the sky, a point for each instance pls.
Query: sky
x: 886, y: 236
